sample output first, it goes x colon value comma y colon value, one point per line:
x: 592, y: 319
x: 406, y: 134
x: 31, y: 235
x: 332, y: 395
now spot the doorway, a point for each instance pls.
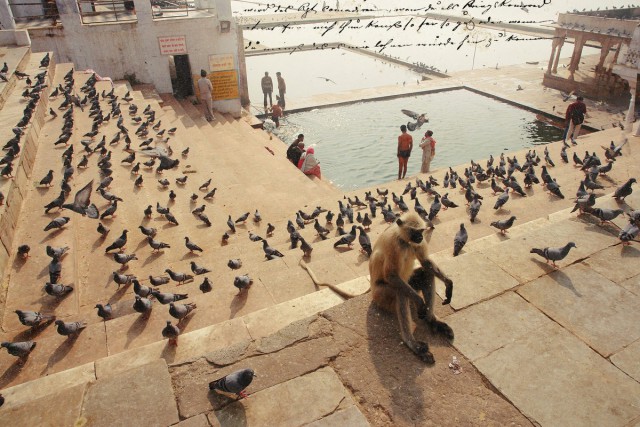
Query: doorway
x: 181, y: 80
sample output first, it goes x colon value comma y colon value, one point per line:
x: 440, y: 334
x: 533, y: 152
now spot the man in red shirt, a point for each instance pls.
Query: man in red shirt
x: 405, y: 145
x: 575, y: 117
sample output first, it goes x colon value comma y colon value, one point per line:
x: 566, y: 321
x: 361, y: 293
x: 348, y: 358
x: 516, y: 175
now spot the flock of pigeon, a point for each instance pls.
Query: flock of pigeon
x: 354, y: 215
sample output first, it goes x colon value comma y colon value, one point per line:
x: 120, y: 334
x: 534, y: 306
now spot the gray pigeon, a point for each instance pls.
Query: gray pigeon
x: 82, y: 202
x: 178, y: 277
x: 142, y: 305
x: 191, y: 246
x: 347, y: 239
x: 624, y: 190
x: 20, y: 349
x: 197, y: 270
x: 504, y: 224
x: 206, y: 286
x: 234, y: 264
x: 123, y: 279
x: 171, y: 332
x: 270, y: 252
x: 305, y: 247
x: 365, y: 242
x: 71, y: 328
x: 141, y: 290
x: 148, y: 231
x: 584, y: 203
x: 159, y: 280
x: 242, y: 282
x: 123, y: 259
x: 502, y: 199
x: 32, y: 318
x: 57, y: 252
x: 105, y: 311
x: 58, y: 222
x: 55, y: 270
x: 554, y: 254
x: 156, y: 245
x: 56, y: 290
x: 474, y: 207
x: 119, y: 243
x: 236, y: 382
x: 460, y: 240
x: 166, y: 298
x: 606, y: 215
x: 629, y: 233
x: 180, y: 311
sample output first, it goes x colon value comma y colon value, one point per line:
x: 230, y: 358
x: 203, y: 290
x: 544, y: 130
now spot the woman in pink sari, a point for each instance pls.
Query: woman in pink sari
x: 309, y: 165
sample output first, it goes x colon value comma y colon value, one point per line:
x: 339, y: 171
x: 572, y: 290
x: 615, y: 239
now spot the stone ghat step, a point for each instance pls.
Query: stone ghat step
x: 191, y: 344
x: 15, y: 57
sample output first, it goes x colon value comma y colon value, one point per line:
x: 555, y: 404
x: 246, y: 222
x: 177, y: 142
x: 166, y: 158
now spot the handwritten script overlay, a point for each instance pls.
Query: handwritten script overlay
x: 440, y: 23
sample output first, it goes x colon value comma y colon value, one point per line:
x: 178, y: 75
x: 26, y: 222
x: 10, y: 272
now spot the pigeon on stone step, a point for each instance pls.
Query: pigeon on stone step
x: 57, y: 290
x: 206, y: 286
x: 270, y: 252
x: 119, y: 243
x: 347, y: 239
x: 460, y: 240
x: 365, y: 242
x: 180, y: 311
x: 191, y: 246
x: 57, y: 223
x: 157, y: 245
x: 197, y: 270
x: 32, y: 318
x: 141, y: 290
x: 69, y: 328
x: 166, y: 298
x: 123, y: 259
x: 142, y: 305
x: 606, y: 215
x: 624, y: 190
x: 234, y: 264
x: 171, y: 332
x: 231, y: 225
x: 105, y: 311
x: 504, y: 224
x: 502, y: 199
x: 242, y: 282
x: 584, y: 203
x: 554, y: 254
x: 235, y: 382
x: 123, y: 279
x: 305, y: 247
x: 159, y: 280
x: 178, y: 277
x: 20, y: 349
x: 474, y: 207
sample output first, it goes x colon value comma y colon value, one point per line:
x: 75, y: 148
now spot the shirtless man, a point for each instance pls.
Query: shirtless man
x: 405, y: 145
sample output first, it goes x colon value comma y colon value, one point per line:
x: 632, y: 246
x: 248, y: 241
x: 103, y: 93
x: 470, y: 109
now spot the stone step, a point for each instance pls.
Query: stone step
x: 15, y: 57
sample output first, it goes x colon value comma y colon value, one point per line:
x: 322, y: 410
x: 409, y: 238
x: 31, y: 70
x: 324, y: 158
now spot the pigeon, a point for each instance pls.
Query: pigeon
x: 46, y: 181
x: 205, y: 286
x: 231, y: 224
x: 69, y: 329
x: 104, y: 311
x: 270, y: 252
x: 554, y: 254
x: 347, y: 239
x: 504, y: 224
x: 366, y: 221
x: 123, y: 279
x: 148, y: 231
x: 585, y: 202
x: 141, y: 290
x: 119, y: 243
x: 191, y: 246
x: 197, y: 270
x: 624, y: 190
x: 205, y: 186
x: 178, y: 277
x: 234, y: 264
x: 474, y: 207
x: 172, y: 219
x: 320, y: 230
x: 171, y: 332
x: 159, y: 280
x: 123, y: 259
x: 271, y: 228
x: 32, y: 318
x: 435, y: 208
x: 242, y: 282
x: 305, y: 247
x: 20, y: 349
x: 365, y: 242
x: 502, y: 199
x: 166, y: 298
x: 254, y: 237
x: 139, y: 181
x: 210, y: 194
x: 142, y: 305
x: 606, y: 215
x: 554, y: 188
x: 110, y: 211
x: 235, y: 382
x: 459, y: 240
x: 180, y: 311
x: 58, y: 222
x: 225, y: 238
x: 628, y: 233
x: 23, y: 251
x: 157, y: 245
x: 102, y: 229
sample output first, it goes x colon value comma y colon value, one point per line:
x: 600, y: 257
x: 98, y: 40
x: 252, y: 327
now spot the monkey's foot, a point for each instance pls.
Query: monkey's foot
x: 422, y: 351
x: 441, y: 328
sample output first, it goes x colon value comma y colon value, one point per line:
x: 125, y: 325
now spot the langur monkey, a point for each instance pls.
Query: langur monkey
x: 395, y: 284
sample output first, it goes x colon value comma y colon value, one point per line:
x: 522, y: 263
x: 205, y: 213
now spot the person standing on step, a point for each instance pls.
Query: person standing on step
x: 282, y: 89
x: 575, y: 117
x: 206, y: 88
x: 428, y: 145
x: 276, y: 113
x: 405, y: 145
x: 267, y: 89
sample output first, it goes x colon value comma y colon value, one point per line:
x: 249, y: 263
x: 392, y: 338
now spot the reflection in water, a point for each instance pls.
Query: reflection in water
x: 356, y: 144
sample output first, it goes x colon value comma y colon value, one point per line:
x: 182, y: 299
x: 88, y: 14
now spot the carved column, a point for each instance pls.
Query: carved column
x: 631, y: 112
x: 554, y: 45
x: 605, y: 46
x: 557, y: 59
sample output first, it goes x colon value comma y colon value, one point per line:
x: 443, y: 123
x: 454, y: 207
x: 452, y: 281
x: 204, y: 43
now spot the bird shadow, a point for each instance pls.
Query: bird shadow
x: 565, y: 281
x: 169, y: 350
x: 168, y: 225
x: 33, y: 332
x: 152, y: 257
x: 11, y: 373
x: 98, y: 242
x: 141, y: 245
x: 136, y: 328
x: 42, y: 190
x: 238, y: 301
x: 49, y: 303
x: 52, y: 235
x: 60, y: 352
x: 184, y: 322
x: 118, y: 294
x: 343, y: 249
x: 19, y: 262
x: 629, y: 252
x: 545, y: 266
x: 189, y: 255
x: 44, y: 272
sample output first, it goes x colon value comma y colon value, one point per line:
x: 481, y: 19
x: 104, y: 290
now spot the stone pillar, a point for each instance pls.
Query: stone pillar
x: 6, y: 16
x: 577, y: 54
x: 631, y: 112
x: 557, y: 59
x: 554, y: 45
x: 604, y: 51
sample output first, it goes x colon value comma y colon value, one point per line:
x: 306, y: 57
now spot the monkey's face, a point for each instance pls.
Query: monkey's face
x: 416, y: 235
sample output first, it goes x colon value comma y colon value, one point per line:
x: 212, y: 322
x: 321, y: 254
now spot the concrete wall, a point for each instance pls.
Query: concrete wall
x: 17, y: 37
x: 116, y: 49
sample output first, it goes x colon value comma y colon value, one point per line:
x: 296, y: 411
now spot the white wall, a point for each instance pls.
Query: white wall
x: 116, y: 49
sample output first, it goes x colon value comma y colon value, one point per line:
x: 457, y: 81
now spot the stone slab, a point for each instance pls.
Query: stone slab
x: 555, y: 379
x: 269, y: 320
x: 347, y: 417
x: 61, y: 410
x: 603, y: 314
x: 617, y: 263
x: 632, y: 284
x: 190, y: 345
x: 197, y: 421
x: 356, y: 286
x: 296, y: 402
x: 48, y: 385
x: 492, y: 324
x: 514, y: 255
x: 475, y: 278
x: 143, y: 393
x: 628, y: 360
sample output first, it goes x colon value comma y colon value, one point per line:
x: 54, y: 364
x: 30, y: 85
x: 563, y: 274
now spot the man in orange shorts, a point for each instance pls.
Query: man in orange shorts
x: 405, y: 145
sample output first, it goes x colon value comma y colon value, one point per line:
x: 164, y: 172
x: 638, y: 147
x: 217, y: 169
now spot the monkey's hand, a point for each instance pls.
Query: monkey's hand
x: 422, y: 351
x: 449, y: 291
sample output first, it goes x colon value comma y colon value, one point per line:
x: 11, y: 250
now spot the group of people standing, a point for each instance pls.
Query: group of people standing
x: 277, y: 109
x: 405, y: 146
x: 305, y: 160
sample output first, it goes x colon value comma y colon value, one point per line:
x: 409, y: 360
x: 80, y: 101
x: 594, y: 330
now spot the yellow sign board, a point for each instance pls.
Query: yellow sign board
x: 225, y: 85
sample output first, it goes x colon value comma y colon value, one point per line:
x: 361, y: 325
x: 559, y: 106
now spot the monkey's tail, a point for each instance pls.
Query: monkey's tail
x: 334, y: 288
